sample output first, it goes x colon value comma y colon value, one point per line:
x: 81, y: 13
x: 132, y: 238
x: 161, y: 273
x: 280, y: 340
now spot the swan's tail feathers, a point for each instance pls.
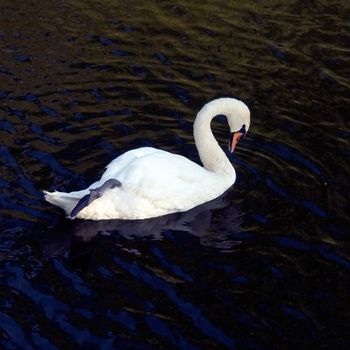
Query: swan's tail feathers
x: 66, y: 201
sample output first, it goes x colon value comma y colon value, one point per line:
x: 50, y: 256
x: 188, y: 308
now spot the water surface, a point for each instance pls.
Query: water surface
x: 266, y: 266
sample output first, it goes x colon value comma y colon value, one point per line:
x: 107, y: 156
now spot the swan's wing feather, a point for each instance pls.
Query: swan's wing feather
x: 109, y: 184
x: 84, y: 202
x: 94, y: 194
x: 125, y: 159
x: 164, y: 174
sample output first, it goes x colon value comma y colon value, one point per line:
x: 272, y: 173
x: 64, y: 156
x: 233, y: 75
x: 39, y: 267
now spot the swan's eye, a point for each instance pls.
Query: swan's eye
x: 242, y: 130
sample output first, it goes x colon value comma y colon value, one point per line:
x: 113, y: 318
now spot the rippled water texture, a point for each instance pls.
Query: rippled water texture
x: 264, y: 267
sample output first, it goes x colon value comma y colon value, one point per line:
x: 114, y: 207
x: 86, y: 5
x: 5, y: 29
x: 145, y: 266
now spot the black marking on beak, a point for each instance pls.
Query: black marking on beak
x: 242, y: 130
x: 235, y: 137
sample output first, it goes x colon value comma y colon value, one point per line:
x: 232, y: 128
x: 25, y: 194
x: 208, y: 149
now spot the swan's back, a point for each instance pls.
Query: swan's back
x: 125, y: 159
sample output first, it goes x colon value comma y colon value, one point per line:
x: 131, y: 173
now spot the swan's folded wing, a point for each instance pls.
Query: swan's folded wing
x: 167, y: 179
x: 124, y: 160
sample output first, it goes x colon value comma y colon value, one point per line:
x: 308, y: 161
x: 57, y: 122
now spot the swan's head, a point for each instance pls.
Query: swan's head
x: 236, y: 112
x: 238, y: 117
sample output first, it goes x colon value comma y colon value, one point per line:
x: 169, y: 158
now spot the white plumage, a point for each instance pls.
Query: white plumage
x: 155, y: 182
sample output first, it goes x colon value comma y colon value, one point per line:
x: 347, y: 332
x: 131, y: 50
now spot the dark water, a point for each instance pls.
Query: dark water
x: 264, y: 267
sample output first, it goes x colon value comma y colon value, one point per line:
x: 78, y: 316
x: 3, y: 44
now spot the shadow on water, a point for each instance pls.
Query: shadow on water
x: 197, y: 222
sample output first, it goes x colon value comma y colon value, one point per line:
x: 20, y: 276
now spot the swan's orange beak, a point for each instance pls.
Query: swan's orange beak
x: 235, y: 136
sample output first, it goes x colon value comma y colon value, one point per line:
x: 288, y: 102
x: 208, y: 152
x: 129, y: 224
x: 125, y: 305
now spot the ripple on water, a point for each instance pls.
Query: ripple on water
x: 260, y: 263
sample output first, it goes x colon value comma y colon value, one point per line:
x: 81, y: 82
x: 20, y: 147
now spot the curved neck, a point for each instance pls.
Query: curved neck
x: 210, y: 153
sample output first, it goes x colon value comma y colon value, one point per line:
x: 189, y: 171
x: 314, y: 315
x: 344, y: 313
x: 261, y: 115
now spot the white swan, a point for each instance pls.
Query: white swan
x: 148, y: 182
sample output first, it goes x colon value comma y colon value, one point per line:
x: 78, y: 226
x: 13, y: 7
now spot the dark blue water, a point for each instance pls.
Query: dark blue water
x: 266, y: 266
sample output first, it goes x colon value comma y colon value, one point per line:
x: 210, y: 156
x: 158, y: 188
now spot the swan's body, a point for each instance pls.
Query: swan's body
x: 148, y: 182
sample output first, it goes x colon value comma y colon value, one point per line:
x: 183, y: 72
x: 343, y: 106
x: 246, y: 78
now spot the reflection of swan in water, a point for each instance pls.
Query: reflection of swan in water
x: 213, y: 223
x: 196, y: 222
